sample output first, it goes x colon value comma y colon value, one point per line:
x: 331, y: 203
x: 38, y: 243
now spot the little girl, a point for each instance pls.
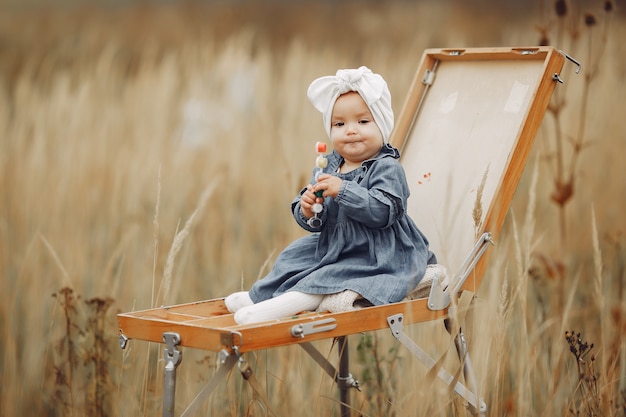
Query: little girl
x: 366, y: 242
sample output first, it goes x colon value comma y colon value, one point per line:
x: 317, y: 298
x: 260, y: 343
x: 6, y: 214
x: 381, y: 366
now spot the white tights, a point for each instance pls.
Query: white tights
x: 284, y: 305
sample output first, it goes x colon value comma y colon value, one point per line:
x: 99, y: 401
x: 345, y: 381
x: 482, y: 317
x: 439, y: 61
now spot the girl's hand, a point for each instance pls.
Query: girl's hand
x: 307, y: 200
x: 329, y: 184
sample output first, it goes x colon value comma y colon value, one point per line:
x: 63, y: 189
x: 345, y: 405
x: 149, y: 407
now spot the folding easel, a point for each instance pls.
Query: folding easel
x: 465, y: 131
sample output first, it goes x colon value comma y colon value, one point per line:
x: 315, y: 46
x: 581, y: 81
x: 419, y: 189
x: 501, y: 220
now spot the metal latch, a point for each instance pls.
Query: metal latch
x: 557, y: 77
x: 429, y: 77
x: 303, y: 329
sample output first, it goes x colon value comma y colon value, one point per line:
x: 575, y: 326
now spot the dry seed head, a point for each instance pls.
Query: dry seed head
x: 590, y: 19
x: 477, y: 212
x: 563, y: 191
x: 561, y: 8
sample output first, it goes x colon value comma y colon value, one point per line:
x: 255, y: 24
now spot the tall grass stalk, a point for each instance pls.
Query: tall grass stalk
x: 155, y: 236
x: 164, y: 293
x: 523, y: 250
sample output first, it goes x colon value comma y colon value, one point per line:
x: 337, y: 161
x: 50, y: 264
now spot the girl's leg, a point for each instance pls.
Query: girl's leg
x: 237, y: 300
x: 284, y: 305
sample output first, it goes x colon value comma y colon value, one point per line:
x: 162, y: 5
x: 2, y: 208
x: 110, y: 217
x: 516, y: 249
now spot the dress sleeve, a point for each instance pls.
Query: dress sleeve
x: 380, y: 199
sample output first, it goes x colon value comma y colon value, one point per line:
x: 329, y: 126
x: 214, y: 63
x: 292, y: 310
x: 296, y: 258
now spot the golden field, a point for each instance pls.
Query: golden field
x: 149, y: 154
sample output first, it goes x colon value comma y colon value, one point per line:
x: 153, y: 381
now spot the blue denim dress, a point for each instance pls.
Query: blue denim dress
x: 367, y: 242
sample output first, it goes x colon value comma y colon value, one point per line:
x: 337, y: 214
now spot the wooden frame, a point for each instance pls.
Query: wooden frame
x: 465, y: 131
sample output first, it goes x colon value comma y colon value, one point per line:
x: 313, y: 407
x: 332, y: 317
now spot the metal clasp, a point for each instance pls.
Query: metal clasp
x: 303, y: 329
x: 173, y: 356
x: 123, y: 340
x: 578, y: 64
x: 557, y: 77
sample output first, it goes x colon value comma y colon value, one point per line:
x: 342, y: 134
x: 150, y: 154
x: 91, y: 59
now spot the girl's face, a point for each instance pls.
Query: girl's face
x: 353, y: 131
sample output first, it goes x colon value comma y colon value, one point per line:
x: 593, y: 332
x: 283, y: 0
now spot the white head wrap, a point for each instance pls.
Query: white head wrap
x: 323, y: 93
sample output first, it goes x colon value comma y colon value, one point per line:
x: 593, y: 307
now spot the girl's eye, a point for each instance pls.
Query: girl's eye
x: 338, y: 124
x: 364, y: 121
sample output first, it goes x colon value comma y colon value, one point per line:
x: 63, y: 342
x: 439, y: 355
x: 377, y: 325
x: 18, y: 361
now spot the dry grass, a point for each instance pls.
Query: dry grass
x: 149, y: 155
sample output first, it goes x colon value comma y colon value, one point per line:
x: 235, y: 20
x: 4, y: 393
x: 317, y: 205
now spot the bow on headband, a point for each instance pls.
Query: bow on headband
x: 324, y: 91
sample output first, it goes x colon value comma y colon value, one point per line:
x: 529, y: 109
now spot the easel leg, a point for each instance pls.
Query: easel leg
x: 468, y: 370
x: 476, y: 404
x: 344, y: 379
x: 172, y: 357
x: 344, y: 376
x: 227, y: 362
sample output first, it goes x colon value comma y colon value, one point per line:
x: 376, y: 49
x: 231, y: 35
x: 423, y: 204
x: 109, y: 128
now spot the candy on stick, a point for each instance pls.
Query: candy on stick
x: 320, y: 162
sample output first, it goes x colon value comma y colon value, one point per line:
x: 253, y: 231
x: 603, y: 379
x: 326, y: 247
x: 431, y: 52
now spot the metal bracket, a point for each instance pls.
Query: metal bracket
x: 343, y: 382
x: 578, y: 64
x: 172, y: 357
x: 396, y: 323
x: 303, y: 329
x: 348, y: 382
x: 429, y: 77
x: 557, y: 77
x: 440, y: 297
x: 123, y: 340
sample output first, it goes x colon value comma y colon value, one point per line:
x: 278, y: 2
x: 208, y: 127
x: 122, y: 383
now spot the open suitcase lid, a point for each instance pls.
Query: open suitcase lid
x: 465, y: 131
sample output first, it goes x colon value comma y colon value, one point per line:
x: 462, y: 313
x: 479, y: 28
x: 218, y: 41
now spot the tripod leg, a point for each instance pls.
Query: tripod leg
x: 344, y: 376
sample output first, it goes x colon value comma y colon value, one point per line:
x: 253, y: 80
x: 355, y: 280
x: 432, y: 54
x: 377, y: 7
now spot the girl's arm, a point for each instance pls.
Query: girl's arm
x: 377, y: 203
x: 374, y: 207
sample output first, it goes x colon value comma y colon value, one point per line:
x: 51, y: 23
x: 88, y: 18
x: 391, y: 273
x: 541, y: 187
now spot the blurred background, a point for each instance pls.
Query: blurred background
x: 149, y: 152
